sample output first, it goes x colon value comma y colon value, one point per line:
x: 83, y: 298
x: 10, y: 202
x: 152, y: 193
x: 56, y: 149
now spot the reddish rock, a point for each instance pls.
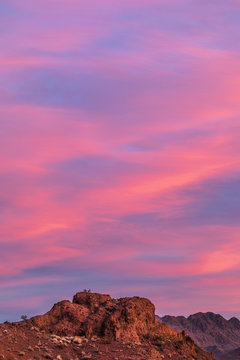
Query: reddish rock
x: 64, y: 318
x: 131, y: 320
x: 101, y: 328
x: 89, y: 314
x: 91, y: 300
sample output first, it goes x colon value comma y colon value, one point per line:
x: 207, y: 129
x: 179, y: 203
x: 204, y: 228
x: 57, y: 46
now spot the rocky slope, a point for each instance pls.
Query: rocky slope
x: 211, y: 332
x: 97, y: 327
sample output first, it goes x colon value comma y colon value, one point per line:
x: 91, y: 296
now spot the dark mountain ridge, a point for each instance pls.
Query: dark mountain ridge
x: 210, y: 331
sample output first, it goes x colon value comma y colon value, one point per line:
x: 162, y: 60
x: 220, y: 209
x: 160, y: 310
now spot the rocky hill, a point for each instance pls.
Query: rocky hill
x: 211, y: 332
x: 97, y: 327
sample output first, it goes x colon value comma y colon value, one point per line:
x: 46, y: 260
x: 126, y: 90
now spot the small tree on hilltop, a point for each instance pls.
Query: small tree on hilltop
x: 24, y: 317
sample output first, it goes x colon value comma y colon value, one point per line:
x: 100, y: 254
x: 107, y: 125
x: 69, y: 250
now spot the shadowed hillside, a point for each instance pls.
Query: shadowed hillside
x: 210, y: 331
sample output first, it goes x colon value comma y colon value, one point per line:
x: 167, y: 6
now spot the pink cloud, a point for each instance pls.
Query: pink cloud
x: 115, y: 125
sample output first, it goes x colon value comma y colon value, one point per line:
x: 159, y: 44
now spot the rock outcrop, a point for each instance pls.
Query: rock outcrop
x: 126, y: 319
x: 97, y: 327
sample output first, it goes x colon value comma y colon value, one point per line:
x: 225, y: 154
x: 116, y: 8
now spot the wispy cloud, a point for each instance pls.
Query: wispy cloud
x: 119, y: 139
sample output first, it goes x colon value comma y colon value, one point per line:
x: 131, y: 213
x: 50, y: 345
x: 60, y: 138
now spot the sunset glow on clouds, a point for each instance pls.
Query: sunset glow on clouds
x: 120, y: 155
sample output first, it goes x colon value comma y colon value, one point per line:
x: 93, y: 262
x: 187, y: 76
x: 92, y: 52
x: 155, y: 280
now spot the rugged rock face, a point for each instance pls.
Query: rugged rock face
x: 97, y: 327
x: 211, y: 332
x: 92, y: 301
x: 124, y: 320
x: 128, y: 319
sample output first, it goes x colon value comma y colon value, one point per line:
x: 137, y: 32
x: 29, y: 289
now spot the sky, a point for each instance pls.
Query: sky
x: 120, y: 153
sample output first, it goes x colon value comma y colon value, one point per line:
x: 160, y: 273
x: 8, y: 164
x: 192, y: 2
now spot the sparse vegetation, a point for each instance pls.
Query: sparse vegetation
x: 24, y: 317
x: 87, y: 290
